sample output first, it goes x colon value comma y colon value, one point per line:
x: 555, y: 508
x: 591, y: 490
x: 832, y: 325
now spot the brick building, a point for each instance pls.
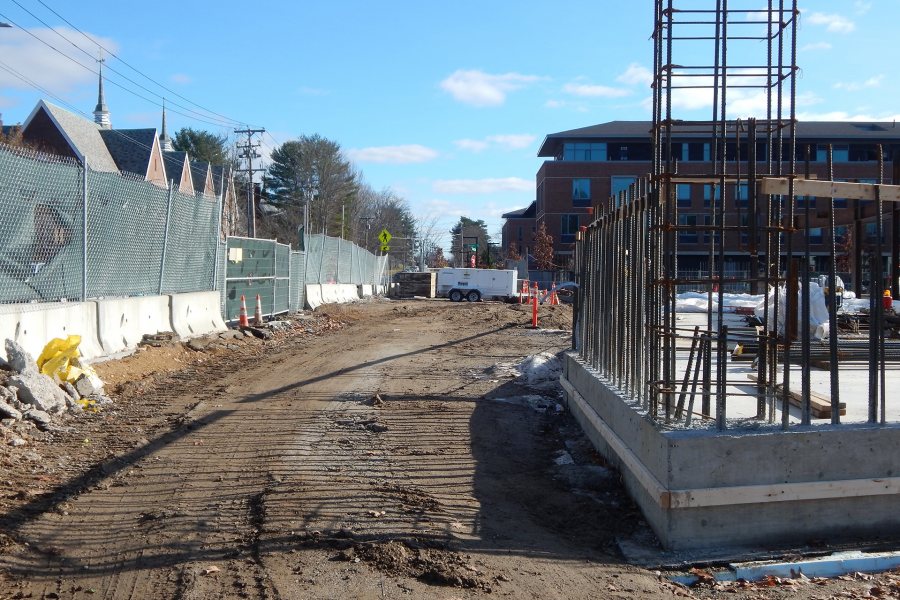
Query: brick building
x: 518, y: 232
x: 586, y: 166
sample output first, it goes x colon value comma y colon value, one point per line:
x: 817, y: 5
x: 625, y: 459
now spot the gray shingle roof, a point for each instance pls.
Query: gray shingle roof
x: 199, y: 172
x: 823, y: 131
x: 174, y: 161
x: 130, y: 148
x: 82, y: 135
x: 218, y: 171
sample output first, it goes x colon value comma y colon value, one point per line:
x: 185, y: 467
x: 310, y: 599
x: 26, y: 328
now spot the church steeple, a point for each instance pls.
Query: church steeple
x: 165, y: 142
x: 101, y: 113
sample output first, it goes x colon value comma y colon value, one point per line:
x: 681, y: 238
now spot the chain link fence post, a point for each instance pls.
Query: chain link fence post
x: 337, y: 268
x: 84, y: 232
x: 162, y: 258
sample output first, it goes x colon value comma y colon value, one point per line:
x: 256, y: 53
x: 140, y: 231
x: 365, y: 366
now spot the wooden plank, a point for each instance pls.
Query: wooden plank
x: 819, y: 405
x: 784, y: 492
x: 829, y: 189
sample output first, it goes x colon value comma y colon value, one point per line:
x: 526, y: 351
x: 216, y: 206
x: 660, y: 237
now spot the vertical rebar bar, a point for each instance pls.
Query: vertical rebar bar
x: 834, y: 383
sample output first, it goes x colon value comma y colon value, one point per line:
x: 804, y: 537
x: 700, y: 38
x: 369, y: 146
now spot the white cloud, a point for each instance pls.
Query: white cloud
x: 839, y: 115
x: 181, y: 78
x: 512, y: 141
x: 816, y: 46
x: 594, y: 91
x: 554, y: 103
x: 471, y: 145
x: 636, y: 74
x: 854, y: 86
x: 410, y: 153
x: 862, y: 7
x: 483, y: 186
x: 833, y: 23
x: 478, y: 88
x: 43, y: 65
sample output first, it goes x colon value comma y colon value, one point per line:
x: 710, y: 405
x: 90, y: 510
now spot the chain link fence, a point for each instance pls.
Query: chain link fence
x: 70, y: 234
x: 334, y: 260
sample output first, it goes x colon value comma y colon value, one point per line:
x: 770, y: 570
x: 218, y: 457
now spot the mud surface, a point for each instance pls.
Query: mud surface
x: 376, y: 452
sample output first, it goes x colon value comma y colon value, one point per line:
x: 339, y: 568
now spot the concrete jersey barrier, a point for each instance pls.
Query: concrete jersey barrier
x: 196, y: 313
x: 313, y: 296
x: 37, y: 324
x: 122, y: 322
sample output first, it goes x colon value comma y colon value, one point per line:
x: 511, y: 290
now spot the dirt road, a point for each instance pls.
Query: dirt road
x: 393, y: 457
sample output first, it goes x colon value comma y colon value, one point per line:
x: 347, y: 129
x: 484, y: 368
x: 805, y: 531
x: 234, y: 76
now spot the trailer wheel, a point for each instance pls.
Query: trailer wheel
x: 455, y: 296
x: 473, y: 296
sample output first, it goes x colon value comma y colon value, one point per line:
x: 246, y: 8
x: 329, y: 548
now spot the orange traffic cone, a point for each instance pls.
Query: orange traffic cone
x: 257, y: 317
x: 242, y: 319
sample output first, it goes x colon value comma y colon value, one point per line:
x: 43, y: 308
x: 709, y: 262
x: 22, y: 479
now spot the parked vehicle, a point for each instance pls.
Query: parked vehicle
x: 476, y: 284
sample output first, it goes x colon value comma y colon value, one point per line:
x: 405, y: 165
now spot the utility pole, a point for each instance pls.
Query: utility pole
x: 249, y: 152
x: 368, y: 220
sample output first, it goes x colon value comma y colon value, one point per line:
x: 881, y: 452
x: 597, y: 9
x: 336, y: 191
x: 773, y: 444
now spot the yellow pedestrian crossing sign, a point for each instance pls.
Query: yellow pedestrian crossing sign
x: 384, y: 237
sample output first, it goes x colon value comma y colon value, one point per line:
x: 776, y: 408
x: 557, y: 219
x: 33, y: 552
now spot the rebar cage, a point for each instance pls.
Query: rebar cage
x: 735, y: 58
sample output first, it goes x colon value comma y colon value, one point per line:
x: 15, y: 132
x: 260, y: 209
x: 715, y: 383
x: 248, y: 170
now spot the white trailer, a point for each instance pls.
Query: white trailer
x: 475, y: 284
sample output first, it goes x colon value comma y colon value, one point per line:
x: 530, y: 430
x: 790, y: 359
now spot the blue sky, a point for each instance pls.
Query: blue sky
x: 445, y: 103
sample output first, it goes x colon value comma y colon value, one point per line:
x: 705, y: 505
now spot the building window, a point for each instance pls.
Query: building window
x: 816, y: 235
x: 708, y: 194
x: 691, y: 236
x: 569, y: 227
x: 741, y: 195
x: 872, y: 233
x: 619, y: 183
x: 584, y: 152
x: 745, y: 229
x: 862, y: 152
x: 683, y: 193
x: 805, y: 201
x: 520, y: 233
x: 698, y: 151
x: 840, y: 153
x: 581, y: 192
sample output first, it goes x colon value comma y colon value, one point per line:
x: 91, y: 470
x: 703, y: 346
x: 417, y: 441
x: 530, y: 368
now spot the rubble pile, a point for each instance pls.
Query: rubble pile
x: 29, y: 395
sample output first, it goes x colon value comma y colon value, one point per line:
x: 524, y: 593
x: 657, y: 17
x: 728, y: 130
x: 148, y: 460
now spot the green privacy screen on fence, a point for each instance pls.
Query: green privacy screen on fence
x: 67, y: 234
x: 70, y: 234
x: 253, y: 267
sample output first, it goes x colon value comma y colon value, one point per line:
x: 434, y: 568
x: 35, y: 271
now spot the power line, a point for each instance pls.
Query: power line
x: 136, y: 70
x: 112, y: 81
x: 228, y: 123
x: 68, y: 105
x: 250, y: 153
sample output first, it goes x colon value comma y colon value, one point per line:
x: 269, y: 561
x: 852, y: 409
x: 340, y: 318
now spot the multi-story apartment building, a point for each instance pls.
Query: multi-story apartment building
x: 518, y: 232
x: 586, y: 166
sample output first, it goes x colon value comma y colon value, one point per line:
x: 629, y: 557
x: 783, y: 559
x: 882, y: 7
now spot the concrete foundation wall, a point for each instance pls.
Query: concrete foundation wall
x: 708, y: 489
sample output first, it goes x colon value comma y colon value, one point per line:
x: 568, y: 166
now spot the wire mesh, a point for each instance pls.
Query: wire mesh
x: 298, y: 279
x: 41, y: 215
x: 190, y: 244
x: 126, y: 230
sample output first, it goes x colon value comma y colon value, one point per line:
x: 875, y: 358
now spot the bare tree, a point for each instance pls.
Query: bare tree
x: 543, y: 249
